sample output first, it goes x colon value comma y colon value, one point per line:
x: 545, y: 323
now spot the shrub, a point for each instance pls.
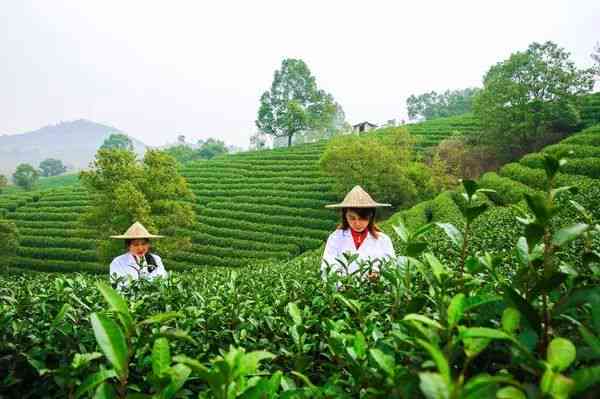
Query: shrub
x: 506, y: 190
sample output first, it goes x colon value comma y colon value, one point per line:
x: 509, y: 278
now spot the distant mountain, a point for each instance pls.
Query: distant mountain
x: 75, y: 143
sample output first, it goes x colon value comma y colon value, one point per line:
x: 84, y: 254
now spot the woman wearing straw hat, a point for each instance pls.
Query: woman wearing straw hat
x: 357, y: 234
x: 137, y: 262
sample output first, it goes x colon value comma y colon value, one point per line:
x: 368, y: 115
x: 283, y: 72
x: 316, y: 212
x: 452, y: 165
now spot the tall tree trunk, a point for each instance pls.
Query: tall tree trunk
x: 289, y: 140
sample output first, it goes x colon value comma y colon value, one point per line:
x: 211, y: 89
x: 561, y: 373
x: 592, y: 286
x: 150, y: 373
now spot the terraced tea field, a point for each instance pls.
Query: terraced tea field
x: 251, y: 207
x: 497, y: 229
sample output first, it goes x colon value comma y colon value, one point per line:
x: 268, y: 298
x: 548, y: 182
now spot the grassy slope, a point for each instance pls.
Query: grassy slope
x: 497, y: 229
x: 251, y: 207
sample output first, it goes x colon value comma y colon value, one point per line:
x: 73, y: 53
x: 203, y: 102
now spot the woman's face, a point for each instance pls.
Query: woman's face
x: 139, y: 247
x: 356, y: 222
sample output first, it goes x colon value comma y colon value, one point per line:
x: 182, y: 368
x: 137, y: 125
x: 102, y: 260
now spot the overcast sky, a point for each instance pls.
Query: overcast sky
x: 155, y: 69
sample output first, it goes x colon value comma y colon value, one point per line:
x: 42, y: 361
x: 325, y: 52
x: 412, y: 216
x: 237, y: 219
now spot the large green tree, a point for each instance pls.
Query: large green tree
x: 52, y: 167
x: 211, y: 148
x: 438, y: 105
x: 384, y: 166
x: 124, y: 190
x: 295, y: 103
x: 25, y: 176
x: 118, y: 140
x: 529, y: 95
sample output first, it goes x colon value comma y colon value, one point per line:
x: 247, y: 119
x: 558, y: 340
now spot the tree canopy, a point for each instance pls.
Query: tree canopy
x: 118, y: 140
x: 207, y: 150
x: 531, y: 93
x: 52, y: 167
x: 124, y: 190
x: 383, y: 166
x: 438, y: 105
x: 295, y: 103
x: 25, y: 176
x: 211, y: 148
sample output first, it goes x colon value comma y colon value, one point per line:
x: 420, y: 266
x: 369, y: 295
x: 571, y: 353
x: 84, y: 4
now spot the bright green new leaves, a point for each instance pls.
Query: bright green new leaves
x: 561, y: 353
x: 161, y: 357
x: 111, y: 340
x: 511, y: 319
x: 118, y: 305
x: 384, y: 361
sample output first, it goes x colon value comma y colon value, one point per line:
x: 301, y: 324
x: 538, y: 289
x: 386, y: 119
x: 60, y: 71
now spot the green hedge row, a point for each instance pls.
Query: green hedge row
x: 58, y: 254
x: 207, y: 260
x: 572, y: 151
x: 269, y: 219
x: 44, y: 224
x: 591, y: 139
x: 303, y: 242
x: 240, y: 185
x: 249, y: 227
x: 507, y: 191
x: 58, y: 204
x: 251, y: 180
x: 288, y: 202
x: 236, y: 253
x: 55, y: 209
x: 316, y: 212
x: 56, y: 232
x: 60, y: 266
x: 226, y: 242
x: 242, y: 173
x: 56, y: 242
x: 41, y: 216
x: 258, y: 194
x: 583, y: 166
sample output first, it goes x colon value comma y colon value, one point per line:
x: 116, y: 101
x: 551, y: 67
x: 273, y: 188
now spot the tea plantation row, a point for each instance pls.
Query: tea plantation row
x: 251, y: 206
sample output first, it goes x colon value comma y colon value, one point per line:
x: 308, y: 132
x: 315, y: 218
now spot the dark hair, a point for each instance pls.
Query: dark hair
x: 364, y: 213
x: 149, y: 258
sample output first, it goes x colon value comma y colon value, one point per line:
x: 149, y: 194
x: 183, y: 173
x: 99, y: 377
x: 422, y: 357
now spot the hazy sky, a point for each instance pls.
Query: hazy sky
x: 155, y: 69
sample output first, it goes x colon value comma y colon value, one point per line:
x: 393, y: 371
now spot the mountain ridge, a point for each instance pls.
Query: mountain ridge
x: 73, y: 142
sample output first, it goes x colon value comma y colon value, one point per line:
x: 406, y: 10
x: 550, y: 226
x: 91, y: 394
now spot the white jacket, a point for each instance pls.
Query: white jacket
x: 340, y: 242
x: 126, y: 266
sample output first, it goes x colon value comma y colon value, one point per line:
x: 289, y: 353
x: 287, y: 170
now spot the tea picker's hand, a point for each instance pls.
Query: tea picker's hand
x: 373, y: 276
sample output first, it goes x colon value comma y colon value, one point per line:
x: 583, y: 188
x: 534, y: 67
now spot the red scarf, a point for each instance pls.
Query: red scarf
x: 359, y: 238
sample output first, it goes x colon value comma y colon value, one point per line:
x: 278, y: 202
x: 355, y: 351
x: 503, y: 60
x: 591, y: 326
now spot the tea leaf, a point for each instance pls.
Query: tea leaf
x: 161, y: 357
x: 111, y: 340
x: 561, y: 353
x: 93, y: 380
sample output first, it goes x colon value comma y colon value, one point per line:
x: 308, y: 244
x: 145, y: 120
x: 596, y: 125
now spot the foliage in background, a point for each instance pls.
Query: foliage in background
x: 117, y: 141
x: 208, y: 149
x: 462, y: 160
x: 295, y: 103
x: 52, y: 167
x: 25, y: 176
x: 432, y: 326
x: 528, y: 96
x: 434, y: 105
x: 9, y: 241
x: 3, y: 182
x: 384, y: 166
x: 211, y: 148
x: 123, y: 190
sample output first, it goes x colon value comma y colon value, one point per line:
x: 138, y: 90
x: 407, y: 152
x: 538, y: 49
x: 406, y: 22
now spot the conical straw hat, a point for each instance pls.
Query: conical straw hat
x: 357, y: 198
x: 136, y: 231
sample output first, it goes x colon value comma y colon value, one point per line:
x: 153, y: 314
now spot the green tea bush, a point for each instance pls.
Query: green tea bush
x: 431, y: 325
x: 572, y: 151
x: 506, y: 190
